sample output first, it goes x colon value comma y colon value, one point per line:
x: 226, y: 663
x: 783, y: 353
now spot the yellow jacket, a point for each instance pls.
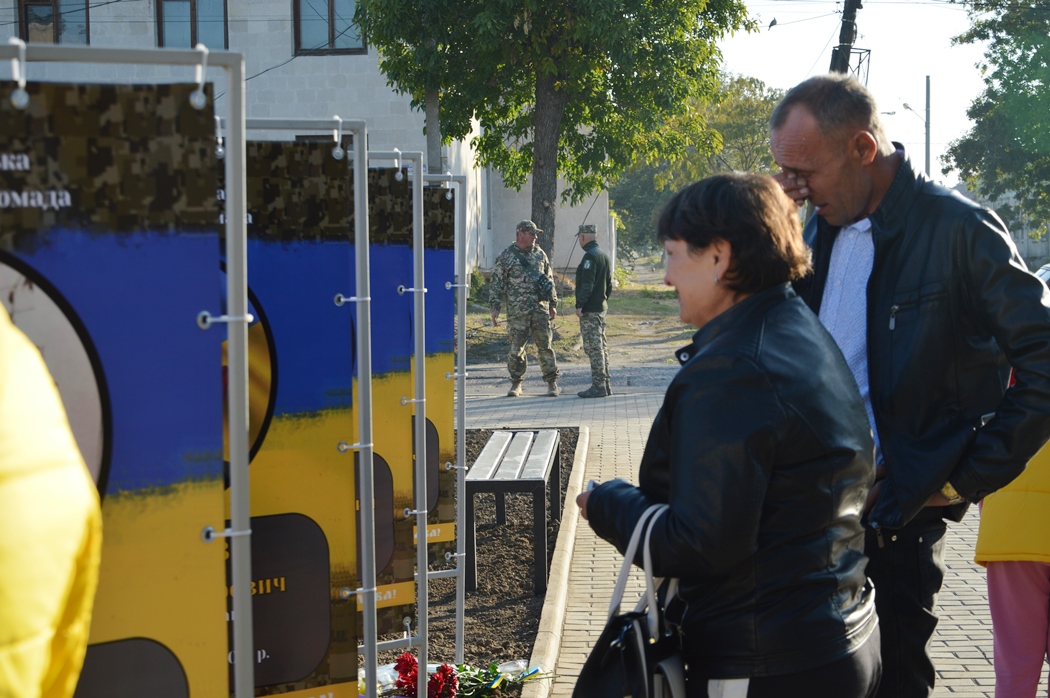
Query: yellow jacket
x: 50, y: 530
x: 1015, y: 521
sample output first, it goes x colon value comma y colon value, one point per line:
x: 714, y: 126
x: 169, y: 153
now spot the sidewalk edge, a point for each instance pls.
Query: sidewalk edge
x: 552, y: 617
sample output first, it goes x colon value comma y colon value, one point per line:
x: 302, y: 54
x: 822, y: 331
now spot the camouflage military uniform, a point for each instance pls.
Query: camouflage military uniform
x: 527, y: 315
x: 593, y: 285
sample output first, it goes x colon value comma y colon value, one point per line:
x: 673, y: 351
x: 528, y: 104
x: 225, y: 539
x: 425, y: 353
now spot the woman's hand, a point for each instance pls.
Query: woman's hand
x: 581, y: 502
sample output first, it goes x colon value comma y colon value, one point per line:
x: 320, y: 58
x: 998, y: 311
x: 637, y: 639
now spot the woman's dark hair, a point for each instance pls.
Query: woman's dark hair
x: 750, y: 212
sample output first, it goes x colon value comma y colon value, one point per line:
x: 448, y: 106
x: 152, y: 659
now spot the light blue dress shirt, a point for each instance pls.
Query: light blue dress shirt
x: 844, y: 307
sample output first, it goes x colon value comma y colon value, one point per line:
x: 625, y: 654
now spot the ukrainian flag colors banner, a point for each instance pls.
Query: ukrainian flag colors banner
x: 301, y: 363
x: 393, y: 386
x: 108, y: 251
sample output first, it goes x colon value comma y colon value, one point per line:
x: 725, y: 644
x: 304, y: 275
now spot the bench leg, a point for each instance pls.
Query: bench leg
x: 471, y: 561
x: 501, y: 509
x: 539, y: 537
x: 556, y: 484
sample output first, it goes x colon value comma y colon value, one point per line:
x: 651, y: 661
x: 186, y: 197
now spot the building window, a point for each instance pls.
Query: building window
x: 327, y: 26
x: 186, y: 23
x: 53, y: 21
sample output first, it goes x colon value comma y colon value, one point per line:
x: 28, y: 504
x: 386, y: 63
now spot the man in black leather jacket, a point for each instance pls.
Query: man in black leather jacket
x: 948, y: 308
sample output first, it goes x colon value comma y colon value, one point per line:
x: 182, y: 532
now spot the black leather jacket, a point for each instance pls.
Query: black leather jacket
x: 763, y: 451
x: 950, y: 309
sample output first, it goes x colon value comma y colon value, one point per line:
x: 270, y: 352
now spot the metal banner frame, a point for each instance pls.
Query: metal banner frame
x: 462, y: 287
x: 362, y: 302
x: 237, y: 302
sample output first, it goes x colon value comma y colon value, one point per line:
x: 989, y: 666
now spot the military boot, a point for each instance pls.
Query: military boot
x: 552, y: 389
x: 593, y: 391
x: 515, y: 389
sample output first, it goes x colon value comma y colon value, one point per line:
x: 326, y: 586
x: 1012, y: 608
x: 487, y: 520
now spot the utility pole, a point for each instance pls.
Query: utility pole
x: 847, y: 36
x: 927, y: 125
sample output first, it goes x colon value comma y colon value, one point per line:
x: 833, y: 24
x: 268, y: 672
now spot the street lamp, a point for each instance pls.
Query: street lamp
x: 925, y: 121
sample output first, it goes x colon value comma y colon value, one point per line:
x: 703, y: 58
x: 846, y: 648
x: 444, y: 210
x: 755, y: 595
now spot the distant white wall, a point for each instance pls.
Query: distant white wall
x: 510, y: 206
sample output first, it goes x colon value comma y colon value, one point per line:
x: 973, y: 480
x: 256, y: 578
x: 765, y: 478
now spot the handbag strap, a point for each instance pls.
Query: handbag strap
x: 651, y: 583
x: 628, y: 557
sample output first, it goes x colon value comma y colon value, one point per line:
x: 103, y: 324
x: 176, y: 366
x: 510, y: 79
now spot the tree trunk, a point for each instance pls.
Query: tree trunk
x: 433, y: 125
x: 550, y: 108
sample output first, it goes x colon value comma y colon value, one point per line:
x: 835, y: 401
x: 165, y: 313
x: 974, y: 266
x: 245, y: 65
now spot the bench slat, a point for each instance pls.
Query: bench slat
x: 490, y: 456
x: 540, y: 457
x: 514, y: 458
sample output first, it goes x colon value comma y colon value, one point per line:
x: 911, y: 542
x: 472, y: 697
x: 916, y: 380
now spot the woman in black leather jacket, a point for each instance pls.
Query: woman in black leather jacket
x: 762, y: 449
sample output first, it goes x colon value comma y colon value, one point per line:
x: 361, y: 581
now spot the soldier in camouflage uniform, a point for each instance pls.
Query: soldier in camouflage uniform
x: 527, y: 316
x: 593, y: 285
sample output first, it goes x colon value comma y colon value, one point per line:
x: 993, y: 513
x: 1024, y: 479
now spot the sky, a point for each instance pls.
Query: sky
x: 908, y: 39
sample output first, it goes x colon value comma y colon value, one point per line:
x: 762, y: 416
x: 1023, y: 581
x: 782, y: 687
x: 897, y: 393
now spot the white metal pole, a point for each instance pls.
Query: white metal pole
x: 237, y: 300
x: 419, y: 304
x: 364, y: 412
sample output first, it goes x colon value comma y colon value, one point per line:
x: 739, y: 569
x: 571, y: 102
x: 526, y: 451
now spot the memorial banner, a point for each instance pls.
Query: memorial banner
x: 393, y: 385
x: 301, y: 361
x: 108, y: 252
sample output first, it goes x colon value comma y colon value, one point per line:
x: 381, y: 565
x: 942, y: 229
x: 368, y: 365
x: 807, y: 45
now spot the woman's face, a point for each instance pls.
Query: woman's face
x: 692, y: 273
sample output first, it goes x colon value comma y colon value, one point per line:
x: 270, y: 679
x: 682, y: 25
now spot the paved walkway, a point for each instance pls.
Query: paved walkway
x: 618, y: 428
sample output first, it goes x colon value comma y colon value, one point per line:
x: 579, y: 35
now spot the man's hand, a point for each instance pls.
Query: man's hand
x: 937, y: 500
x: 793, y: 185
x: 579, y: 312
x: 495, y: 318
x: 553, y: 312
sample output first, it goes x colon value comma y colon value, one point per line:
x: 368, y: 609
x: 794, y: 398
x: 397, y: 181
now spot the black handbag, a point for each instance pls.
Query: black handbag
x: 544, y: 286
x: 638, y: 654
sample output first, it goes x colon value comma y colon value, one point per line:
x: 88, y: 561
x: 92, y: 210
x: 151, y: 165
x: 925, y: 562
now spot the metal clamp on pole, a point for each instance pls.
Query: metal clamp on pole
x: 220, y: 151
x: 449, y: 466
x: 209, y: 533
x: 412, y: 512
x: 19, y: 97
x: 340, y: 299
x: 344, y: 446
x: 346, y: 592
x: 197, y: 98
x: 450, y: 376
x: 406, y: 401
x: 206, y: 319
x: 449, y: 285
x: 337, y: 152
x: 450, y: 556
x: 401, y: 290
x: 398, y: 176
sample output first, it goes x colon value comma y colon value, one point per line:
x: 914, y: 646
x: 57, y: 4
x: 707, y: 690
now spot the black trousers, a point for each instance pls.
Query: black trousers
x: 855, y: 676
x: 907, y: 568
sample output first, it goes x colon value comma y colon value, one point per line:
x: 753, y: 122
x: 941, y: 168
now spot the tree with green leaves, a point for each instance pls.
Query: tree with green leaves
x: 1006, y: 155
x: 580, y: 89
x: 736, y: 138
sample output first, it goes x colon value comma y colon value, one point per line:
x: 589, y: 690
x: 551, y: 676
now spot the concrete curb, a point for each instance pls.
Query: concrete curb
x: 552, y: 617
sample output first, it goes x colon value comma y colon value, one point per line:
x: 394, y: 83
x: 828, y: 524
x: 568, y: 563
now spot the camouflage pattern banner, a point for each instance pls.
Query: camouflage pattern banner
x: 301, y: 363
x: 108, y: 251
x: 393, y: 368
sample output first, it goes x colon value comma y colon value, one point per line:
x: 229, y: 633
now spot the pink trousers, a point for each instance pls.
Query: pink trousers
x: 1019, y: 598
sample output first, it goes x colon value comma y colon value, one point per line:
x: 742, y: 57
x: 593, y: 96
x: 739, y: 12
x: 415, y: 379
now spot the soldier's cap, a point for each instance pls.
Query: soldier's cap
x: 528, y: 227
x: 587, y: 229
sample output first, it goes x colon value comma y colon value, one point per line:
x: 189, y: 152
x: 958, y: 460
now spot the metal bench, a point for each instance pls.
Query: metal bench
x: 516, y: 461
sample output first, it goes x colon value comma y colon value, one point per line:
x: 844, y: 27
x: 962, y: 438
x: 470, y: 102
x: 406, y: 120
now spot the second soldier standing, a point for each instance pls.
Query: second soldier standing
x: 514, y: 280
x: 593, y: 286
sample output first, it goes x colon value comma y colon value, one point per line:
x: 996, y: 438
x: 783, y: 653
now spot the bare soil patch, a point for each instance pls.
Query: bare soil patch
x: 503, y: 615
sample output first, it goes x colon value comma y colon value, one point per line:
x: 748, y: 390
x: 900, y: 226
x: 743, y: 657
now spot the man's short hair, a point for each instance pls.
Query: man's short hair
x: 588, y: 229
x: 837, y: 102
x: 527, y: 227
